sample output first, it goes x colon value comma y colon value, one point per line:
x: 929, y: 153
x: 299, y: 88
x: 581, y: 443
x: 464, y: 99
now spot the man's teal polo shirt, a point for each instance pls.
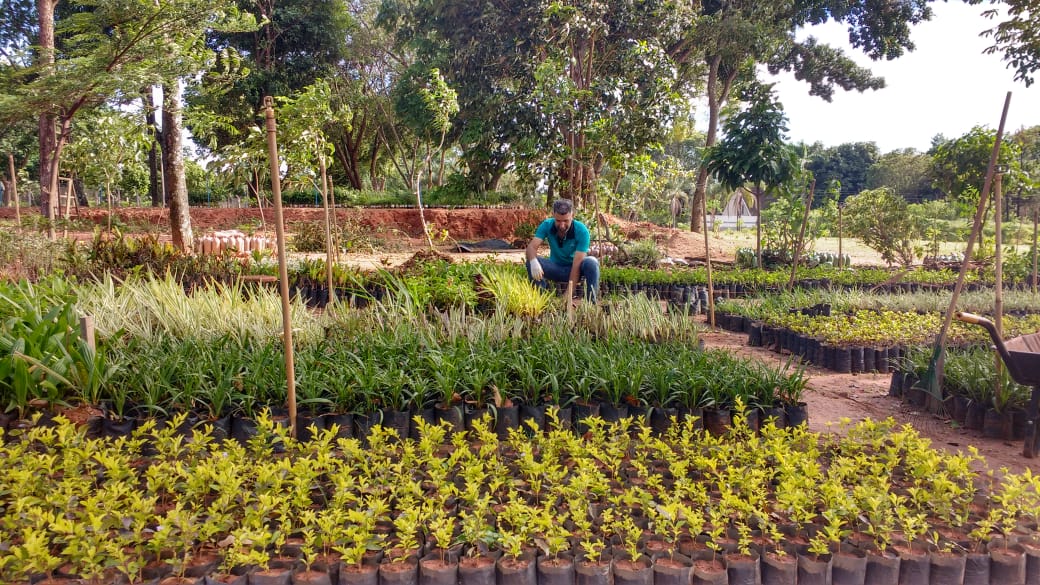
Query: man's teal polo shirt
x: 562, y: 251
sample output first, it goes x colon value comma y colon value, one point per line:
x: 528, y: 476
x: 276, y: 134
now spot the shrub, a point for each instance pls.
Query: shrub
x: 643, y: 253
x: 524, y: 231
x: 309, y: 236
x: 880, y: 218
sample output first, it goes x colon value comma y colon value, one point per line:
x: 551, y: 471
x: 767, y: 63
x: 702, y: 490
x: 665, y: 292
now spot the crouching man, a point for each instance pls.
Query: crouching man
x: 568, y: 259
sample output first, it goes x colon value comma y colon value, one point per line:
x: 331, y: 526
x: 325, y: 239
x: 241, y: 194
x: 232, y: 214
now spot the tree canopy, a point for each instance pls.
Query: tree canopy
x: 1016, y: 36
x: 559, y: 97
x: 959, y: 165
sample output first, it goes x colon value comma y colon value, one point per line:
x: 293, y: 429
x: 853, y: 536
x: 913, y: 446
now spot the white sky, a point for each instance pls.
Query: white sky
x: 945, y: 86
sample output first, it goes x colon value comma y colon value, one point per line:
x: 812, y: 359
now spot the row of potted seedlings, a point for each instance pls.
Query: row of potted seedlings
x: 841, y: 358
x: 156, y: 360
x: 616, y: 505
x: 857, y: 341
x: 391, y: 379
x: 975, y: 393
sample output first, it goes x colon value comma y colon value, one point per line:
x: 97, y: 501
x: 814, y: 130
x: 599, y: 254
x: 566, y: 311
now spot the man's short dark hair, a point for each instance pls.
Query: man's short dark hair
x: 563, y: 206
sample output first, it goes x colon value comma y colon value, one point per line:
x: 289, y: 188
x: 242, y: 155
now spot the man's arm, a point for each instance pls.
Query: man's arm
x: 576, y: 267
x: 532, y: 248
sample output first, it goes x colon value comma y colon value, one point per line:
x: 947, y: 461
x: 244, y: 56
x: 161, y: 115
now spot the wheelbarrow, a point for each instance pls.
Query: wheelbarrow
x: 1021, y: 356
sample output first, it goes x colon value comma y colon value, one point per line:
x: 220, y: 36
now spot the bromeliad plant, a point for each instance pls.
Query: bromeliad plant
x: 515, y: 295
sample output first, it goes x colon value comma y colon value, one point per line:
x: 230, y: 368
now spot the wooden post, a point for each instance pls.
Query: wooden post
x: 759, y: 196
x: 260, y: 202
x: 570, y: 300
x: 283, y: 274
x: 332, y: 204
x: 86, y: 331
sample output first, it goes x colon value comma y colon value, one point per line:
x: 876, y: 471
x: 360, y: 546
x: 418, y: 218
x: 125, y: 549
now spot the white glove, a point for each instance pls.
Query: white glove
x: 536, y: 269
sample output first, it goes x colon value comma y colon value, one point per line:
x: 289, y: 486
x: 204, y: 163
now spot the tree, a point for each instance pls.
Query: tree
x: 847, y: 163
x: 753, y: 150
x: 108, y: 48
x: 959, y: 165
x: 1028, y: 142
x: 906, y: 172
x: 296, y: 43
x: 360, y: 91
x: 424, y: 105
x: 558, y: 89
x: 880, y: 219
x: 104, y: 144
x: 1016, y: 36
x: 733, y: 36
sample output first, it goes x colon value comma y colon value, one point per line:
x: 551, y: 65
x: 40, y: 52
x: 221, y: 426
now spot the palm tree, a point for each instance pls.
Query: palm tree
x: 753, y: 150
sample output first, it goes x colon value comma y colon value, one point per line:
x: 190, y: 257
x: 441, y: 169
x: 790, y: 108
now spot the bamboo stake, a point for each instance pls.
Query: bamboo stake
x: 707, y: 260
x: 283, y: 274
x: 841, y: 257
x: 998, y: 277
x: 938, y: 355
x: 335, y: 217
x: 1036, y: 219
x: 328, y: 227
x: 570, y: 300
x: 998, y: 260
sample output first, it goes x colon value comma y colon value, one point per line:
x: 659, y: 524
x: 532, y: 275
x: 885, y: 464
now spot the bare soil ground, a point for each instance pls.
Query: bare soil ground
x: 831, y: 397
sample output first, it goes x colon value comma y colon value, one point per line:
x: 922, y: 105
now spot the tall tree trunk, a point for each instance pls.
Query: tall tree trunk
x: 373, y: 160
x: 11, y: 182
x: 174, y: 183
x: 14, y: 190
x: 718, y: 93
x: 48, y: 136
x: 348, y: 148
x: 155, y: 189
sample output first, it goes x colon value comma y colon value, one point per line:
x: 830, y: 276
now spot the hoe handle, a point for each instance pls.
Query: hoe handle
x: 970, y: 318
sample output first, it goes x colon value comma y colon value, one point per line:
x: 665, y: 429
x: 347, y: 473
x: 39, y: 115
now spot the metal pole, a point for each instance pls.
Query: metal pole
x: 283, y: 274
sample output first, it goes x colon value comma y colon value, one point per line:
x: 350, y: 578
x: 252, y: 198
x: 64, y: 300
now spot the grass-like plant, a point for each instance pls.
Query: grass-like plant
x: 515, y: 295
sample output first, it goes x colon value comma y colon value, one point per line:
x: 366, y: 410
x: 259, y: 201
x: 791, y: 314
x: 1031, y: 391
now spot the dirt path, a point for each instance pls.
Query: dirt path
x: 832, y: 397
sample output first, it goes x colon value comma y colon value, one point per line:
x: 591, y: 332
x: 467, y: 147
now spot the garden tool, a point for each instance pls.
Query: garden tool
x: 1021, y: 356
